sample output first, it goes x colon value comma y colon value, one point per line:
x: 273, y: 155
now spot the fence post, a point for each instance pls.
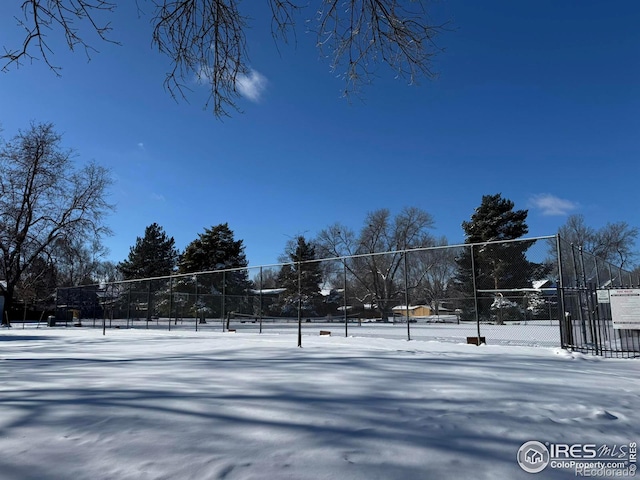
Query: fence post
x: 475, y: 292
x: 344, y: 298
x: 601, y: 324
x: 224, y: 297
x: 583, y: 326
x: 148, y: 303
x: 562, y: 320
x: 261, y: 288
x: 104, y: 309
x: 299, y: 306
x: 171, y: 301
x: 588, y: 301
x: 195, y: 302
x: 406, y: 293
x: 128, y: 305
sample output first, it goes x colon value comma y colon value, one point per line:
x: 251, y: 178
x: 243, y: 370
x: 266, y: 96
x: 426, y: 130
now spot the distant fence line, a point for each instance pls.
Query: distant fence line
x: 536, y: 288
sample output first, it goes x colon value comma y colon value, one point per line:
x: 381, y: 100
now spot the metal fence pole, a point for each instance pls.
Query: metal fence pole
x: 299, y: 306
x: 344, y: 298
x: 224, y: 298
x: 128, y: 306
x: 475, y: 292
x: 406, y: 294
x: 587, y: 300
x: 195, y: 302
x: 562, y: 319
x: 104, y: 309
x: 583, y: 326
x: 171, y: 301
x: 601, y: 323
x: 148, y: 303
x: 261, y: 288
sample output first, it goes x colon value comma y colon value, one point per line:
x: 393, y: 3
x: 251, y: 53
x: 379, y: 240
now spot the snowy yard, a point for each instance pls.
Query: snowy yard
x: 150, y: 404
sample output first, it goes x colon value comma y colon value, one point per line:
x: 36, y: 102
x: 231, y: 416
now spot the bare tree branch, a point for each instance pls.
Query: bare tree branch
x: 205, y: 39
x: 282, y: 19
x: 40, y: 16
x: 356, y: 35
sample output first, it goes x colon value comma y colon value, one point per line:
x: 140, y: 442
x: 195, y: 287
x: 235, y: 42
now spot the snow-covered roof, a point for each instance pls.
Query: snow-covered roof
x: 411, y: 307
x: 540, y: 283
x: 268, y: 291
x: 342, y: 308
x: 366, y: 306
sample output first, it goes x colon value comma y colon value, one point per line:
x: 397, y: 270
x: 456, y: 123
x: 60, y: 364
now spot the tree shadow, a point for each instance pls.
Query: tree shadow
x: 355, y: 409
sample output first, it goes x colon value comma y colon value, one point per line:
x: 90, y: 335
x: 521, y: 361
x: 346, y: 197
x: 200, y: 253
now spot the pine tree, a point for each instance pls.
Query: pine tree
x: 496, y: 265
x: 302, y: 279
x: 153, y: 255
x: 216, y: 249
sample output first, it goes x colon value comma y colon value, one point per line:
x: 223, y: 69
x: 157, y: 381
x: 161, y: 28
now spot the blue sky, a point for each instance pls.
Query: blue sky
x: 539, y: 101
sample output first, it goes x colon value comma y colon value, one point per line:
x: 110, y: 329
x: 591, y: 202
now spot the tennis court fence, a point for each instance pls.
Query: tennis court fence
x: 538, y: 291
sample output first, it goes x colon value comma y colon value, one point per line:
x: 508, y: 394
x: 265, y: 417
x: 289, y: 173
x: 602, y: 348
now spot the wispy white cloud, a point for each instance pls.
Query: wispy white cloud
x: 158, y: 197
x: 252, y: 86
x: 141, y: 146
x: 551, y: 205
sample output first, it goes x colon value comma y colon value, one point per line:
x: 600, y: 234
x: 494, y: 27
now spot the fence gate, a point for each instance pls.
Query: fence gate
x: 601, y: 304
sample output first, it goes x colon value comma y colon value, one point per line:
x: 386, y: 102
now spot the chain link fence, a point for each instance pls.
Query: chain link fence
x: 503, y: 292
x: 588, y: 324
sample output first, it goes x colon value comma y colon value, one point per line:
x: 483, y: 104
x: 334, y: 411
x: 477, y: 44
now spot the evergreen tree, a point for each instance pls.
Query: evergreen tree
x: 497, y: 264
x: 153, y: 255
x: 216, y: 249
x: 302, y: 279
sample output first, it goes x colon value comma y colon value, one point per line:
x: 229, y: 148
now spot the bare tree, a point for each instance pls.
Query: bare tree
x: 615, y: 242
x: 78, y: 262
x: 44, y: 201
x: 378, y: 276
x: 206, y: 38
x: 431, y: 271
x: 37, y: 286
x: 576, y: 231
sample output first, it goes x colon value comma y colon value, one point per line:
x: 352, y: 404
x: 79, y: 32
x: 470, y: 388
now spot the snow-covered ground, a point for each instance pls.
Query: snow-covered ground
x: 151, y: 404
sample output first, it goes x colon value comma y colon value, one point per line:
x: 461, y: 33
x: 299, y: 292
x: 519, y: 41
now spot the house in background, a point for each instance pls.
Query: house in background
x: 420, y: 311
x: 413, y: 310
